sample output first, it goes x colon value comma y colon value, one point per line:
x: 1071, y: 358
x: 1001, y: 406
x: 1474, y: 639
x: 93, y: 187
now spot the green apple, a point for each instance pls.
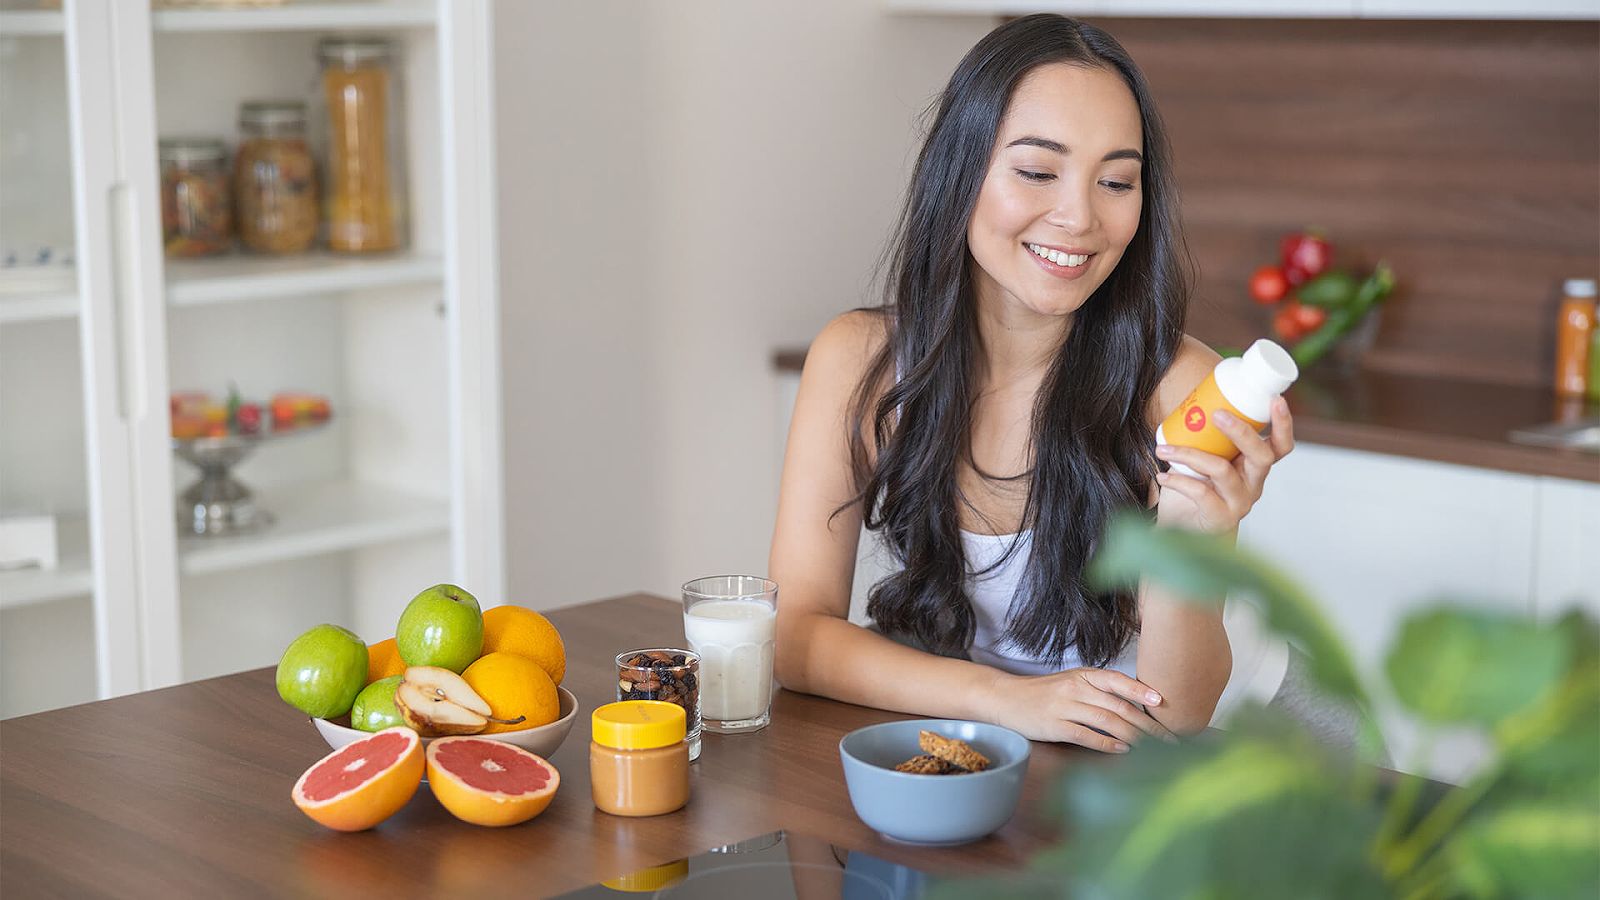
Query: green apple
x: 375, y: 709
x: 442, y: 626
x: 322, y: 671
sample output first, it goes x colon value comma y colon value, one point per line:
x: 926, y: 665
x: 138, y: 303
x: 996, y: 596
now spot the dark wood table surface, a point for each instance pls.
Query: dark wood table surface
x: 184, y: 792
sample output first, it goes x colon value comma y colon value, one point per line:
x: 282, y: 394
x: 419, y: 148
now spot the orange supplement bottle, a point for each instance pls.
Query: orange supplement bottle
x: 1574, y: 331
x: 1244, y: 385
x: 639, y: 758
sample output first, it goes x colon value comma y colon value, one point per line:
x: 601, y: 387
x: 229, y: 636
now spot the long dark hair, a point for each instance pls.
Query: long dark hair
x: 1091, y: 439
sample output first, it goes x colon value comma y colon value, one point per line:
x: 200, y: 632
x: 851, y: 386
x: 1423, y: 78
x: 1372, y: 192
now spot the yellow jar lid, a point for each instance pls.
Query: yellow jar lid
x: 652, y: 879
x: 638, y: 724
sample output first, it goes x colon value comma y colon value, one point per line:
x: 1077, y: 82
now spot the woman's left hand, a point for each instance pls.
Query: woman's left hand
x: 1235, y: 485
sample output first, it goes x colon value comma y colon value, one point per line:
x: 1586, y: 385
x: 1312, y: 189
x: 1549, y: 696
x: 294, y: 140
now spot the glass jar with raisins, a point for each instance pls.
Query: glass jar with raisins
x: 664, y: 673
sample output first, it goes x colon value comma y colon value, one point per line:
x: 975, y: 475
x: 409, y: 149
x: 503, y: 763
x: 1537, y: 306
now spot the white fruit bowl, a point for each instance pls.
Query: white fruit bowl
x: 542, y: 740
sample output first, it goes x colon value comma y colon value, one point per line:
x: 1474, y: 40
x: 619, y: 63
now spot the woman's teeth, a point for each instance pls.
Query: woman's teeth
x: 1056, y: 256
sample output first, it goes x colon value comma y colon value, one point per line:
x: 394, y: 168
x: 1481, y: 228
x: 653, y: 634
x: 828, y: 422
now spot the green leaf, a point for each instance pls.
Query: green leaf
x: 1456, y: 665
x: 1330, y: 290
x: 1557, y: 740
x: 1205, y: 567
x: 1544, y: 850
x: 1258, y: 811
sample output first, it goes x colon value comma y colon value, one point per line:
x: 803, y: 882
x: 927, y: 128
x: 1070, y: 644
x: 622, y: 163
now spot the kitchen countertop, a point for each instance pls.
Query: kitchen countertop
x: 1444, y: 420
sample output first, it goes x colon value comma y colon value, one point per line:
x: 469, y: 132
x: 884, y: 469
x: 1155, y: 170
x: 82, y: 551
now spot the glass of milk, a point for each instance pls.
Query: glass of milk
x: 730, y: 621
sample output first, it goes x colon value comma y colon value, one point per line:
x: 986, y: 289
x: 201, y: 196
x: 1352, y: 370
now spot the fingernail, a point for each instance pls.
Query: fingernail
x: 1161, y: 478
x: 1152, y: 698
x: 1222, y: 415
x: 1119, y: 747
x: 1163, y: 451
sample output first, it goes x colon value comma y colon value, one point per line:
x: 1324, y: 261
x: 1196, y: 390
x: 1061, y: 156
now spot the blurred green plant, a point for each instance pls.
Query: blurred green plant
x: 1262, y: 810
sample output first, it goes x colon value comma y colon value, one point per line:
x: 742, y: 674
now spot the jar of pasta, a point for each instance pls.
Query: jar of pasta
x: 196, y: 214
x: 274, y: 179
x: 365, y: 185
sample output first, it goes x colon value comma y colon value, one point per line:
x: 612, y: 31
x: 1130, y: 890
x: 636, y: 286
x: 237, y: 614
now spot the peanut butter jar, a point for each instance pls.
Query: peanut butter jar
x: 639, y: 758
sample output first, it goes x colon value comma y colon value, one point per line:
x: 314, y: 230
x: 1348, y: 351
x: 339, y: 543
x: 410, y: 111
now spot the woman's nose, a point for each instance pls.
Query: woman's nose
x: 1072, y: 211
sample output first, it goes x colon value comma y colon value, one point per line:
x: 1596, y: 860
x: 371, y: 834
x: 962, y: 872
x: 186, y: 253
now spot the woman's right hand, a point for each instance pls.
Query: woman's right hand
x: 1101, y: 709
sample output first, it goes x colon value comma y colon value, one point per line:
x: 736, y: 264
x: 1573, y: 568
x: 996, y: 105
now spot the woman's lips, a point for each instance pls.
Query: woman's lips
x: 1066, y: 273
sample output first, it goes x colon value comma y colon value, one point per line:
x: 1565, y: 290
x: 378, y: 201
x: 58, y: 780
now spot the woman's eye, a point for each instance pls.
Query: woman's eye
x: 1120, y: 187
x: 1035, y: 177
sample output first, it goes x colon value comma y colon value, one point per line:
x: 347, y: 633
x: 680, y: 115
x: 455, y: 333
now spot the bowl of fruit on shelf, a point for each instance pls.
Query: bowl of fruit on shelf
x: 450, y: 669
x: 215, y: 435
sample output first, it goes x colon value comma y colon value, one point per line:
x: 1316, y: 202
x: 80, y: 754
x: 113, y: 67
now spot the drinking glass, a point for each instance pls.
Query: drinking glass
x: 730, y: 621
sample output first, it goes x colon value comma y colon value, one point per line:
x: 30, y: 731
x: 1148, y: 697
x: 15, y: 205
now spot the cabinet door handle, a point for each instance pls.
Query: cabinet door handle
x: 128, y: 325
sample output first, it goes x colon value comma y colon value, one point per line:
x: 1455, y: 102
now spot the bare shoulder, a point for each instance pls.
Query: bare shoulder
x: 843, y: 349
x: 1190, y: 366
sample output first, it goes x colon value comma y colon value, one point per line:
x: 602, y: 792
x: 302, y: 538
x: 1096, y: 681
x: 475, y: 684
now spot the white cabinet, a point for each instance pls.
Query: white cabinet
x: 402, y: 490
x: 1377, y: 537
x: 1267, y: 9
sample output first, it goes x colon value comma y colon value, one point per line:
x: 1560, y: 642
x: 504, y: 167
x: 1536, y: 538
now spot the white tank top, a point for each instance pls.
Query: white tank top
x: 1260, y: 658
x: 992, y: 594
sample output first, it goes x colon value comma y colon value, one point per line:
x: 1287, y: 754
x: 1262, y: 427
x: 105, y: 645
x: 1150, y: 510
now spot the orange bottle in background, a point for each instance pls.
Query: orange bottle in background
x: 1574, y: 329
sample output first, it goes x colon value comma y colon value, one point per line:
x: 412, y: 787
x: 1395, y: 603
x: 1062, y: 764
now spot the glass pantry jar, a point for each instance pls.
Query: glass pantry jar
x: 274, y: 178
x: 366, y: 199
x: 196, y: 215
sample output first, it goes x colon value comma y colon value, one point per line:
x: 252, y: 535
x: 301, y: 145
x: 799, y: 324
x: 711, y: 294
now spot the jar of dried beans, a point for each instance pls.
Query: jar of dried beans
x: 196, y: 214
x: 365, y: 183
x: 274, y: 179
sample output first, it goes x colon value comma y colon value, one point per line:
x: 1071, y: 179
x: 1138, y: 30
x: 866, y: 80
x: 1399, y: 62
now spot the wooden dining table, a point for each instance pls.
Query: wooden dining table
x: 184, y: 792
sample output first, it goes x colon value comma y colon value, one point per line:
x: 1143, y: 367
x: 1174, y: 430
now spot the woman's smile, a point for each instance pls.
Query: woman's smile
x: 1060, y: 262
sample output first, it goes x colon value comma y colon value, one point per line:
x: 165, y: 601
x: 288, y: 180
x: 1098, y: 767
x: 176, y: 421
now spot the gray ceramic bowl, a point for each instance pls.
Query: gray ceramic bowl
x: 932, y: 809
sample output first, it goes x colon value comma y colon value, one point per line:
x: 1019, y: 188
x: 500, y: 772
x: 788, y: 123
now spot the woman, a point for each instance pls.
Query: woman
x: 1001, y: 406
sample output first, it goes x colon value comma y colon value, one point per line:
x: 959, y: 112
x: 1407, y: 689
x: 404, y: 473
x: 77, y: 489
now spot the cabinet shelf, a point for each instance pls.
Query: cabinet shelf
x: 312, y: 519
x: 301, y: 16
x: 72, y: 577
x: 239, y: 278
x: 319, y: 518
x: 15, y: 22
x: 37, y: 307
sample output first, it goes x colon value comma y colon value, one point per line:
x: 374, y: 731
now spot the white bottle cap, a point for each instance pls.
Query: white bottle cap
x: 1579, y: 287
x: 1269, y: 367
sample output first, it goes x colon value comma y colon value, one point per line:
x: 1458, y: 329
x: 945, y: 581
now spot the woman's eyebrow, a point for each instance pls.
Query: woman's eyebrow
x: 1033, y: 140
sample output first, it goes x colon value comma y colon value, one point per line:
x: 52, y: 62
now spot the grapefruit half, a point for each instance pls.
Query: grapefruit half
x: 364, y: 782
x: 488, y: 782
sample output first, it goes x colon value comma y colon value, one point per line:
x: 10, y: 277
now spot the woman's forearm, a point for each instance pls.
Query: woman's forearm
x: 1184, y: 655
x: 826, y: 655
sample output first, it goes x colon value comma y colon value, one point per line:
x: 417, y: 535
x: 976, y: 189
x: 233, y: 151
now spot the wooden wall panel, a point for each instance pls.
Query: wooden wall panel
x: 1465, y: 153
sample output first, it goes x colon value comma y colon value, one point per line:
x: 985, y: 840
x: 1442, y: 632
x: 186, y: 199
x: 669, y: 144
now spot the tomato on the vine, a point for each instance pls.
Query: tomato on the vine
x: 1305, y: 255
x: 1286, y: 322
x: 1309, y: 318
x: 1268, y: 285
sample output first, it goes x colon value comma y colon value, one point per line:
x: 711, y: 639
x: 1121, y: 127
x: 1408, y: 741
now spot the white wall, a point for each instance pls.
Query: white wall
x: 685, y: 187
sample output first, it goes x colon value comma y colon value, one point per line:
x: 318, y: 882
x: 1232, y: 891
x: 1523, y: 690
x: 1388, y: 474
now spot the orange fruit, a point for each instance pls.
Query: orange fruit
x: 489, y: 782
x: 514, y: 686
x: 363, y: 782
x: 519, y: 630
x: 383, y: 660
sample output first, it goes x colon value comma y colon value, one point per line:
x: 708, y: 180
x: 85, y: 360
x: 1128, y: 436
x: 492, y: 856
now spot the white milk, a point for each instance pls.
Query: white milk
x: 734, y: 639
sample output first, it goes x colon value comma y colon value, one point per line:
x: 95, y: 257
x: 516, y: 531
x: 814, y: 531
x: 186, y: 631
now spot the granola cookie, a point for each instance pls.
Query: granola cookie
x: 952, y: 750
x: 929, y: 765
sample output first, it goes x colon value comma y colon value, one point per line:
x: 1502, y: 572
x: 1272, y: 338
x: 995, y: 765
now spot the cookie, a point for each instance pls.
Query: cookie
x: 928, y: 765
x: 952, y: 750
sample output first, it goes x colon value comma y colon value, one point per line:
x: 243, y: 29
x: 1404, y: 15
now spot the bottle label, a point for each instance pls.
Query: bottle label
x: 1191, y: 425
